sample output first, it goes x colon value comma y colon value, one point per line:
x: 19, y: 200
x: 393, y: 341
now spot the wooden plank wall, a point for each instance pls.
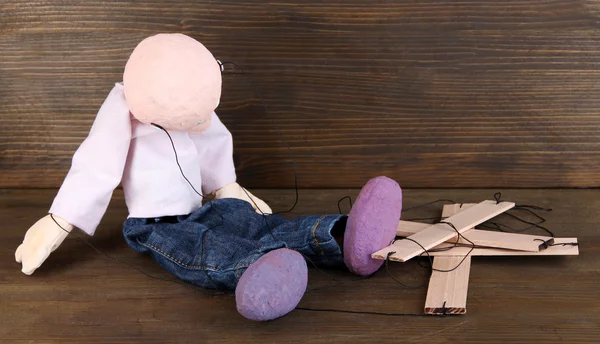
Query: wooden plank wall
x: 432, y: 93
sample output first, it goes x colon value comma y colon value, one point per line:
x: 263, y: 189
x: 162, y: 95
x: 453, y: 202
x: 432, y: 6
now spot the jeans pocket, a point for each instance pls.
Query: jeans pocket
x: 170, y: 254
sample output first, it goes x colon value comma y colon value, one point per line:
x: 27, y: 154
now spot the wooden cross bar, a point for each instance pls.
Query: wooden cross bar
x: 447, y: 291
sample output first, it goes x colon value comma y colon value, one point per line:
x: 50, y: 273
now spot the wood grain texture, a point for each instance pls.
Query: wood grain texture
x: 448, y: 286
x: 78, y: 296
x: 432, y: 93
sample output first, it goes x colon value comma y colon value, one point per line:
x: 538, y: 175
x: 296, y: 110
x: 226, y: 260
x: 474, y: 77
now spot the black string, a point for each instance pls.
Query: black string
x: 435, y: 218
x: 534, y: 207
x: 531, y: 223
x: 408, y: 286
x: 340, y: 201
x: 361, y: 312
x: 500, y: 226
x: 455, y: 244
x: 177, y: 159
x: 497, y: 197
x: 425, y: 251
x: 281, y: 136
x: 204, y: 233
x: 527, y: 208
x: 546, y: 244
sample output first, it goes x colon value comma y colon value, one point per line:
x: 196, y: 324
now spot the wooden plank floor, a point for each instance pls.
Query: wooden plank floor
x: 79, y: 296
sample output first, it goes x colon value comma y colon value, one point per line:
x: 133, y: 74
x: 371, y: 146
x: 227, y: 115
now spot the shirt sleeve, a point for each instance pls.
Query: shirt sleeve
x: 97, y: 166
x: 215, y: 147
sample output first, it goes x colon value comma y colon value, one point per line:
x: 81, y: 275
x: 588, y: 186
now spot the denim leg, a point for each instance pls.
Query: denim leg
x: 210, y: 248
x: 213, y: 246
x: 311, y: 236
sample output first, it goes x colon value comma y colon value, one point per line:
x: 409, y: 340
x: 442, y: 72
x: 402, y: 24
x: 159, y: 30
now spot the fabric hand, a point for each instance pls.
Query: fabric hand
x: 234, y: 190
x: 40, y: 240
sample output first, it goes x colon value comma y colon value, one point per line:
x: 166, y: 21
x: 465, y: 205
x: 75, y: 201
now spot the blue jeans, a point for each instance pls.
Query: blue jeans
x: 214, y: 245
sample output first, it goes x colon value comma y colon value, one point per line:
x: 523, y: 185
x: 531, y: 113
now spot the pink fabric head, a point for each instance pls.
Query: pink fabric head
x: 172, y: 80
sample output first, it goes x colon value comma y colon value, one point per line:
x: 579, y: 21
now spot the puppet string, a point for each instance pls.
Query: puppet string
x: 546, y: 244
x: 361, y: 312
x: 526, y: 208
x: 212, y: 206
x: 340, y: 201
x: 281, y: 136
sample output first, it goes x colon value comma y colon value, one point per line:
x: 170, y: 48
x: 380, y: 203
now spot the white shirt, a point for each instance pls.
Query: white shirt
x: 119, y: 148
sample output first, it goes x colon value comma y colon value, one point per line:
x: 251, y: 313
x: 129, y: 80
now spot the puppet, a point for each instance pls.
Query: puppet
x: 158, y: 135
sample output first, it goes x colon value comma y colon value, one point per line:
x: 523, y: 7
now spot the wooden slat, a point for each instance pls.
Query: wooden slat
x: 438, y: 233
x: 559, y: 250
x: 447, y: 291
x: 511, y: 241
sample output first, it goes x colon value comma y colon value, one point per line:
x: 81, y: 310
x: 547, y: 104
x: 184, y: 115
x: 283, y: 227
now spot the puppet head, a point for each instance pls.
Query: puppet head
x: 172, y: 80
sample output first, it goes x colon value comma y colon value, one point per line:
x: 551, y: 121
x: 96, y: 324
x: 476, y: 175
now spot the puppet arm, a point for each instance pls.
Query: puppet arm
x: 215, y: 147
x: 96, y: 170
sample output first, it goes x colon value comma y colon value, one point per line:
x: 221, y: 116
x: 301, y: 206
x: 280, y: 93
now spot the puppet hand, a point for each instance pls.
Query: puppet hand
x: 258, y: 204
x: 234, y: 190
x: 41, y: 240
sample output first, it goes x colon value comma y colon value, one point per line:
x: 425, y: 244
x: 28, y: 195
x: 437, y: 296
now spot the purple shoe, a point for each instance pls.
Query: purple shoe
x: 272, y: 286
x: 372, y: 224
